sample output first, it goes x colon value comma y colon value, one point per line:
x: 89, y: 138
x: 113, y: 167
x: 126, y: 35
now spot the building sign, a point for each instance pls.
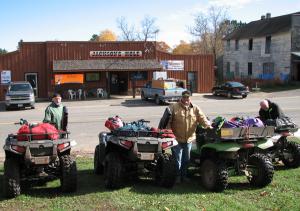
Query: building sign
x: 5, y: 76
x: 68, y: 78
x: 175, y: 65
x: 121, y: 54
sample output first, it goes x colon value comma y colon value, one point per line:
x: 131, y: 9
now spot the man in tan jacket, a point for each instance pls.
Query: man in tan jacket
x: 184, y: 119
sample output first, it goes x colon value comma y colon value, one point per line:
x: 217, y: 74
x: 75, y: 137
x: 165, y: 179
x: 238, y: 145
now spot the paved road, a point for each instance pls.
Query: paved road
x: 87, y: 117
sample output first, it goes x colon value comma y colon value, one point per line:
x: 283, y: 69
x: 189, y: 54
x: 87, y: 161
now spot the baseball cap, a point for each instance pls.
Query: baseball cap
x: 56, y: 95
x: 186, y: 93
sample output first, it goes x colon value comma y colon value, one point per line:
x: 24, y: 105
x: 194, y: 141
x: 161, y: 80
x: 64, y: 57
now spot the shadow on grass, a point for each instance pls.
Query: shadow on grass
x: 87, y: 183
x: 282, y: 168
x: 148, y: 186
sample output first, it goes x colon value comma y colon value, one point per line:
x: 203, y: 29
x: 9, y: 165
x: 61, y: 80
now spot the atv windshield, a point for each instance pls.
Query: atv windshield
x: 20, y: 87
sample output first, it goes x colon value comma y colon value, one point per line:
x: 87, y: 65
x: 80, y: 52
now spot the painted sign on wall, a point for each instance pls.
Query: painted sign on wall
x: 175, y: 65
x: 5, y: 76
x: 120, y: 54
x: 68, y: 78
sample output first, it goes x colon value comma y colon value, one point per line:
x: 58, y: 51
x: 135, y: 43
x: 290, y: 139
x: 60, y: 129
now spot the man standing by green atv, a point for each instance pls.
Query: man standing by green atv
x: 183, y: 121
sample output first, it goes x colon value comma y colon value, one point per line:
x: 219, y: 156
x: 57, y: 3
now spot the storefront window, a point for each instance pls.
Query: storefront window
x: 92, y: 77
x: 139, y: 75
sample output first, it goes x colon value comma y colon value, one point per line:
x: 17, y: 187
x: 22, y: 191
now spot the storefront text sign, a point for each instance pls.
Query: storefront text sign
x: 175, y: 65
x: 5, y: 76
x: 121, y: 54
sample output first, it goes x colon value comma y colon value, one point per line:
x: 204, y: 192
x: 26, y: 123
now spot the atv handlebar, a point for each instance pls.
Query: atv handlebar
x: 21, y: 122
x: 144, y: 121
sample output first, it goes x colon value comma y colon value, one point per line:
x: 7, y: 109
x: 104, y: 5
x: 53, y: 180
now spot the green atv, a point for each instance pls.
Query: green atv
x: 225, y: 152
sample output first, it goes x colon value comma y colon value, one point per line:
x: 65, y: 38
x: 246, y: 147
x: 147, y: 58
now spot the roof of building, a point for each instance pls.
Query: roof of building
x: 106, y: 64
x: 263, y: 27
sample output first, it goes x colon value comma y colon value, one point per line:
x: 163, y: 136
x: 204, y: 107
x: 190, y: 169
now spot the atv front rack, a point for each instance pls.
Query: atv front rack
x: 32, y: 136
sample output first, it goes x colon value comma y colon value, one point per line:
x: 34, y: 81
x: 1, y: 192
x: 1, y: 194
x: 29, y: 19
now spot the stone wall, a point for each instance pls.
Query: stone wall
x: 280, y: 55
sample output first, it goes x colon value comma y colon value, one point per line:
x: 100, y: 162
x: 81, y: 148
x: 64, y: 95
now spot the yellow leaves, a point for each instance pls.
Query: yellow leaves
x: 106, y: 35
x: 183, y: 48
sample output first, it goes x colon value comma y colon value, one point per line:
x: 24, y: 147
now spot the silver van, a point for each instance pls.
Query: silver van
x: 19, y: 95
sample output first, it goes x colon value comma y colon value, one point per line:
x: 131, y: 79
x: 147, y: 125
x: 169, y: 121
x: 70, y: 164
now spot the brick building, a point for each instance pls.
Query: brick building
x: 65, y: 65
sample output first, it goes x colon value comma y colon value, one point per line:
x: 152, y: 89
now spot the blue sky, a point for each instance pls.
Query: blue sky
x: 45, y: 20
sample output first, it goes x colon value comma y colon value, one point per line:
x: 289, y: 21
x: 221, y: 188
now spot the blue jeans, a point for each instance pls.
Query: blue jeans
x: 181, y: 153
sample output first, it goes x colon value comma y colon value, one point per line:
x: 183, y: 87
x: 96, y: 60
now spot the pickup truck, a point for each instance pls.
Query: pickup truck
x: 167, y: 93
x: 19, y: 95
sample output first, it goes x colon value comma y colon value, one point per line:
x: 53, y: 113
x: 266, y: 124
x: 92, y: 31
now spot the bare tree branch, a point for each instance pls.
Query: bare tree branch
x: 209, y: 30
x: 128, y: 32
x: 149, y: 29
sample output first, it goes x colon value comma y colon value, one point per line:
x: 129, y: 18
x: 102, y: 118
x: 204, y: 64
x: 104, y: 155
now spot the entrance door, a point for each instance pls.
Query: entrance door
x: 123, y: 82
x: 114, y: 83
x: 118, y: 82
x: 192, y: 81
x: 32, y: 79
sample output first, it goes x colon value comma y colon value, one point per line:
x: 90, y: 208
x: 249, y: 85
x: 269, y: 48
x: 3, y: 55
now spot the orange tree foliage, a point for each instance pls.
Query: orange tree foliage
x: 183, y: 48
x: 162, y: 46
x: 106, y: 35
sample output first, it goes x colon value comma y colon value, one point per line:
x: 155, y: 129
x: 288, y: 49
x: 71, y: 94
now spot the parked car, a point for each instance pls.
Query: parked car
x: 19, y: 95
x: 231, y: 89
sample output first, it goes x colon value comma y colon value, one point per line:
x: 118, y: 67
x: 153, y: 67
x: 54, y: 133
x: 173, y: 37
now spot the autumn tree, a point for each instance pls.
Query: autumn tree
x: 183, y: 48
x: 162, y: 46
x: 106, y: 35
x: 210, y: 29
x: 3, y: 51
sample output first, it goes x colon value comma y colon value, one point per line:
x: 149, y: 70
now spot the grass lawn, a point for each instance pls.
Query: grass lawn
x: 282, y: 194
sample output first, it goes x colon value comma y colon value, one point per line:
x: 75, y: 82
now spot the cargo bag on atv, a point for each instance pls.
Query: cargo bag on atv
x: 38, y: 132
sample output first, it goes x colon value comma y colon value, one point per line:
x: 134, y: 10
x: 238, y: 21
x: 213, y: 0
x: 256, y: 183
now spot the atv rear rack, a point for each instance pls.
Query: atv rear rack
x: 131, y: 133
x: 241, y: 133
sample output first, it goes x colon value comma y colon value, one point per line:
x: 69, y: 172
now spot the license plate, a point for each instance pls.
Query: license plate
x: 147, y: 156
x: 20, y: 105
x: 41, y: 160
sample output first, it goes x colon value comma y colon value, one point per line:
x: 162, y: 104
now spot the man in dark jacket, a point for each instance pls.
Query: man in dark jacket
x: 269, y: 111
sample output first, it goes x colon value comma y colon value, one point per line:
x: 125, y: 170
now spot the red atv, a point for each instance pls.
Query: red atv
x: 132, y: 148
x: 38, y: 153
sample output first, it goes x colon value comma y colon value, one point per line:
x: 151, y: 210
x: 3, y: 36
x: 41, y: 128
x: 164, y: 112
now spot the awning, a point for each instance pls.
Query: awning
x: 105, y: 64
